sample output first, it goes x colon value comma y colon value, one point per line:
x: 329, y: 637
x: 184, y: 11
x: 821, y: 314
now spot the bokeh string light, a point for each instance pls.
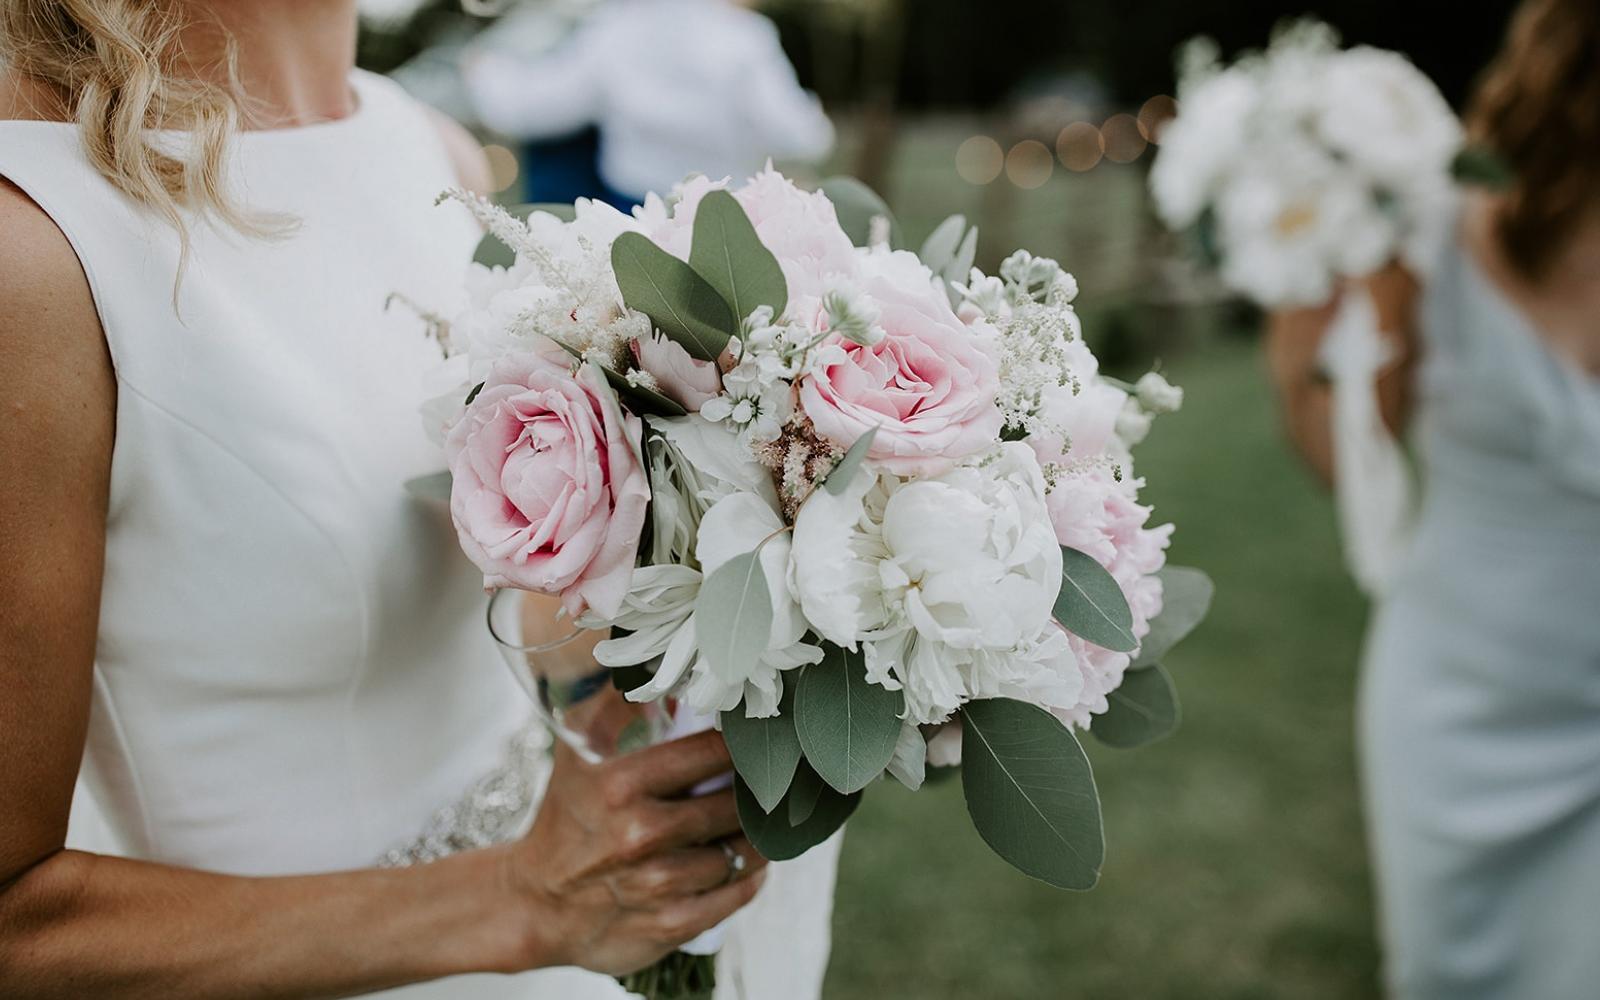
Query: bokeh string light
x: 503, y: 168
x: 979, y: 160
x: 1122, y: 139
x: 1080, y: 146
x: 1029, y: 164
x: 1154, y: 116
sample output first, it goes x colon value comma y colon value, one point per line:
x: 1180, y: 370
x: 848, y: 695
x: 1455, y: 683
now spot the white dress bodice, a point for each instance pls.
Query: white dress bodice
x: 292, y: 673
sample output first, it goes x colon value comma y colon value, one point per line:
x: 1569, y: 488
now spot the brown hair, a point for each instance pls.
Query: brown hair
x: 1537, y: 108
x: 110, y: 61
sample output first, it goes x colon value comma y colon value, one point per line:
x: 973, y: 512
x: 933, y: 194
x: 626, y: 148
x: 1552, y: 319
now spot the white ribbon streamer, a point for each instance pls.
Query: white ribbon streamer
x: 1374, y: 492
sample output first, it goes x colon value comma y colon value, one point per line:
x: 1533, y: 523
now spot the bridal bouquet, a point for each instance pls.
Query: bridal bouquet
x: 1307, y: 163
x: 870, y: 510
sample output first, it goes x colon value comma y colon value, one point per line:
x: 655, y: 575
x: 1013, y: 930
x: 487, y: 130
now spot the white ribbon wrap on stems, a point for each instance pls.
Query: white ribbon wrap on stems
x: 1373, y: 487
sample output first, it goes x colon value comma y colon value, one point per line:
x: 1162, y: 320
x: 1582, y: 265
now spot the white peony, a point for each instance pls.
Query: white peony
x: 947, y: 582
x: 1201, y: 145
x: 1386, y: 117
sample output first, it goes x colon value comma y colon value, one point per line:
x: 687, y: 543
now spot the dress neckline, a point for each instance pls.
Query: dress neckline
x: 360, y: 87
x: 1526, y: 329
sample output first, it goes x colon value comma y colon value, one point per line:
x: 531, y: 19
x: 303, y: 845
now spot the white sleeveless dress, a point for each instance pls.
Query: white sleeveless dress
x: 293, y: 673
x: 1480, y: 702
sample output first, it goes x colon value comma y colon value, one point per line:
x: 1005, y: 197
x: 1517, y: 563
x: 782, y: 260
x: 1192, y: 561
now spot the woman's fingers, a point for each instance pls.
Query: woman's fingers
x: 670, y: 769
x: 688, y: 872
x: 690, y: 916
x: 700, y: 820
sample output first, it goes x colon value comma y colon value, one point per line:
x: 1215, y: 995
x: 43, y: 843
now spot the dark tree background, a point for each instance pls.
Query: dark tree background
x: 976, y: 53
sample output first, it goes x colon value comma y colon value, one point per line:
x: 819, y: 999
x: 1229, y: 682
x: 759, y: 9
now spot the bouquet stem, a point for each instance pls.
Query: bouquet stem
x: 679, y: 976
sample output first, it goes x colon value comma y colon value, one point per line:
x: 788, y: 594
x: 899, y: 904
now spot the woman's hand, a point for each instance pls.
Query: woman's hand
x: 622, y: 867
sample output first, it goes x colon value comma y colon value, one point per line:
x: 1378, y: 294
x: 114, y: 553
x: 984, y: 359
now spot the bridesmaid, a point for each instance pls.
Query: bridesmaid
x: 1480, y: 708
x: 215, y: 594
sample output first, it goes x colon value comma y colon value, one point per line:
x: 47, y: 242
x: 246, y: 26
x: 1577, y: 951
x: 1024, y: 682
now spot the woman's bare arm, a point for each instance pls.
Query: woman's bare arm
x: 617, y: 871
x: 1293, y: 345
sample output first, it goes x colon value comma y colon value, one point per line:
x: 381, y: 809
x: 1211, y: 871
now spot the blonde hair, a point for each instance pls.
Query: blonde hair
x: 111, y: 62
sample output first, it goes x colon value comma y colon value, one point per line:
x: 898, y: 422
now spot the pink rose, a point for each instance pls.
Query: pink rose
x: 549, y: 494
x: 928, y: 386
x: 683, y: 378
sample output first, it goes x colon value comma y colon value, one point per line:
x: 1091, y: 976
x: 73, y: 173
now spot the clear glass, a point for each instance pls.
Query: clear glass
x: 554, y: 662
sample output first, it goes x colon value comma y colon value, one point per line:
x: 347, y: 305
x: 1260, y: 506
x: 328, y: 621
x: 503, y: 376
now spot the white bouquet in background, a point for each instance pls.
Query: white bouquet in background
x: 870, y: 510
x: 1306, y: 163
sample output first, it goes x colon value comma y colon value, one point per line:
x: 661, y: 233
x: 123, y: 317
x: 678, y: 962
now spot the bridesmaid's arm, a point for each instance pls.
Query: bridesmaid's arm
x: 1293, y: 343
x: 619, y: 869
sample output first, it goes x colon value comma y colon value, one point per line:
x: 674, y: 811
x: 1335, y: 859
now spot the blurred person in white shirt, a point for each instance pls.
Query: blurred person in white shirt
x: 675, y: 87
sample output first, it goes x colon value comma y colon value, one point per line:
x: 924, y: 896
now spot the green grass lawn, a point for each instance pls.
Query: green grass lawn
x: 1235, y: 866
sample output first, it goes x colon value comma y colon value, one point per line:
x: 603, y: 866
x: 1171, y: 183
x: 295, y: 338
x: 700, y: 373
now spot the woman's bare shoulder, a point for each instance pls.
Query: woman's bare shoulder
x: 49, y: 327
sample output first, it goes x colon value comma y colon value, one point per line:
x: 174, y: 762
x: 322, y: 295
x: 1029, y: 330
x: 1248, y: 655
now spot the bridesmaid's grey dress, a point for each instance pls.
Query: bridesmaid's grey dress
x: 1480, y: 707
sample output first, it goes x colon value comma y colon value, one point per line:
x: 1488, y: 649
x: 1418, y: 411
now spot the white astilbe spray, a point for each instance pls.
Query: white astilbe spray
x: 1030, y: 304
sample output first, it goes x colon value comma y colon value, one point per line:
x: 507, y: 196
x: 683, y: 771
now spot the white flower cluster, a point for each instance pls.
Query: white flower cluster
x: 1030, y: 305
x: 1307, y: 163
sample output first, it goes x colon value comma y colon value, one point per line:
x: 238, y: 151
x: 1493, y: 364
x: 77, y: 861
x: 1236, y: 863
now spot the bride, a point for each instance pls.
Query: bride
x: 269, y: 661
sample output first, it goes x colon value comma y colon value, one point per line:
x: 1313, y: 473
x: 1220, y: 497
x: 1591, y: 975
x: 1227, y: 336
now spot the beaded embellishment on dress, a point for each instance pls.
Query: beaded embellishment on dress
x: 498, y: 807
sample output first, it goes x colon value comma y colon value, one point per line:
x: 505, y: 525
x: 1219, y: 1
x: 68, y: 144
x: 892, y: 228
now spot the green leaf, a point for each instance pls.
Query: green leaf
x: 733, y: 616
x: 765, y: 753
x: 492, y: 253
x: 847, y: 725
x: 474, y: 393
x: 779, y: 839
x: 1144, y: 709
x: 434, y: 488
x: 841, y: 474
x: 804, y: 794
x: 856, y: 205
x: 1185, y: 599
x: 640, y: 400
x: 728, y: 254
x: 939, y: 249
x: 1030, y: 792
x: 678, y: 301
x: 1483, y: 167
x: 1091, y: 605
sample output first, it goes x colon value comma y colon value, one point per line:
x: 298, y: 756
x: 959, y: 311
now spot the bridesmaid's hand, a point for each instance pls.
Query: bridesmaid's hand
x: 622, y: 866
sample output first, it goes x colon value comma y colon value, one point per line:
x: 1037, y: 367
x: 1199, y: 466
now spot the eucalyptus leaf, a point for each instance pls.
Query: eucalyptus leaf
x: 640, y: 400
x: 779, y: 839
x: 1143, y: 709
x: 1482, y: 167
x: 492, y: 253
x: 765, y: 753
x: 681, y: 303
x: 434, y: 488
x: 857, y: 205
x: 939, y: 249
x: 1031, y: 793
x: 841, y: 474
x: 733, y: 616
x: 804, y: 794
x: 1091, y: 604
x: 1185, y: 599
x: 847, y: 725
x: 727, y: 252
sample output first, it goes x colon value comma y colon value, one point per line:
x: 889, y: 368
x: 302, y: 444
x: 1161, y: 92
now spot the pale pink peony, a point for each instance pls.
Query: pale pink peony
x: 929, y: 386
x: 1096, y: 512
x: 683, y: 378
x: 799, y: 227
x: 549, y: 494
